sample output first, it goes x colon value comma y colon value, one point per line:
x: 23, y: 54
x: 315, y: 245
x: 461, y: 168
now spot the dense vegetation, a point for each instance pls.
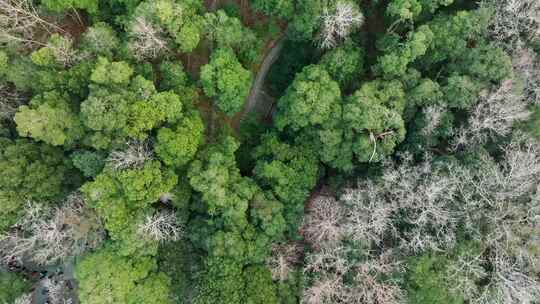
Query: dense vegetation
x: 270, y: 151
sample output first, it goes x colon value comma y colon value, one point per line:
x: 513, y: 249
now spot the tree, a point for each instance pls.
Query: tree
x: 373, y: 114
x: 259, y: 286
x: 61, y: 5
x: 31, y: 171
x: 100, y: 40
x: 106, y: 277
x: 111, y: 73
x: 147, y: 41
x: 229, y: 32
x: 225, y: 192
x: 47, y: 236
x: 12, y: 286
x: 309, y: 100
x: 278, y: 8
x: 226, y: 80
x: 344, y: 64
x: 290, y: 172
x: 338, y: 23
x: 177, y: 146
x: 181, y: 20
x: 50, y: 119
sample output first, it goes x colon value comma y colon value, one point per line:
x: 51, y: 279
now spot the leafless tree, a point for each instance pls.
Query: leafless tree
x: 134, y: 156
x: 10, y: 100
x: 368, y: 287
x: 57, y: 291
x: 322, y: 221
x: 327, y: 258
x: 326, y: 290
x: 282, y: 260
x: 493, y: 115
x: 20, y: 22
x: 339, y: 22
x: 46, y: 236
x: 24, y: 299
x: 421, y: 195
x: 515, y: 22
x: 161, y: 226
x: 433, y: 116
x: 147, y: 41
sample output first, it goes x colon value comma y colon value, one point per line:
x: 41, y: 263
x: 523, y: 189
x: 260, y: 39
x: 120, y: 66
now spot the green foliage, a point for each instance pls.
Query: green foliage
x: 88, y: 162
x: 396, y: 62
x: 222, y: 282
x: 173, y: 75
x: 228, y: 32
x: 180, y: 19
x: 111, y: 73
x: 176, y: 146
x: 309, y: 100
x: 427, y: 282
x: 404, y: 9
x: 373, y: 114
x: 276, y: 8
x: 30, y: 171
x: 344, y: 63
x: 50, y: 119
x: 217, y: 178
x: 461, y: 91
x: 63, y: 5
x: 4, y: 61
x: 290, y: 172
x: 100, y: 40
x: 122, y: 198
x: 106, y: 277
x: 12, y: 285
x: 259, y: 287
x: 226, y: 80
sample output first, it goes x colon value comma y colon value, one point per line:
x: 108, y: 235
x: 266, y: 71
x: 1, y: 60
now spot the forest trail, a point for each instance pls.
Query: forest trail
x: 253, y: 100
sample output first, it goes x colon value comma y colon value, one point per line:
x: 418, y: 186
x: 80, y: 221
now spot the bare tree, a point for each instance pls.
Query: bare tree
x: 322, y: 222
x: 10, y: 100
x: 368, y: 287
x: 161, y: 226
x: 339, y: 22
x: 515, y: 22
x: 20, y: 22
x: 147, y: 41
x: 24, y: 299
x: 134, y: 156
x: 493, y: 115
x: 46, y: 236
x: 421, y: 195
x: 57, y: 291
x: 326, y: 290
x: 282, y: 260
x: 328, y: 258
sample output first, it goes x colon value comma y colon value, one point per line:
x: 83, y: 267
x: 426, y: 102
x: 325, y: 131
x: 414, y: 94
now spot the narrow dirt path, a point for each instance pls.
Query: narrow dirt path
x: 253, y: 97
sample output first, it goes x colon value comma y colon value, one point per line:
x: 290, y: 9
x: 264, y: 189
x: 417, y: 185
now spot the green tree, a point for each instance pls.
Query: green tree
x: 259, y: 286
x: 62, y: 5
x: 106, y: 277
x: 309, y: 100
x: 176, y: 146
x: 290, y: 172
x: 111, y: 73
x: 226, y: 80
x: 344, y: 64
x: 30, y: 172
x: 12, y: 285
x: 277, y: 8
x: 373, y: 114
x: 100, y: 40
x: 49, y: 118
x: 90, y: 163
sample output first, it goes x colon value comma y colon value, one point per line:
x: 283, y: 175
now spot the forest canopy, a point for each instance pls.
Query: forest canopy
x: 270, y: 151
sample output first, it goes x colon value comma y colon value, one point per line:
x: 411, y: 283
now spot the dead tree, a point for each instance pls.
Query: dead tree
x: 161, y: 226
x: 134, y: 156
x: 147, y: 40
x: 338, y: 23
